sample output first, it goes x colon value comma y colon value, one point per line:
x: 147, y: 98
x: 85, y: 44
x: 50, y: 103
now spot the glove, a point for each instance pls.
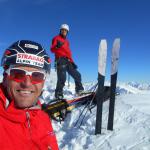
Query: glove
x: 59, y: 44
x: 74, y: 65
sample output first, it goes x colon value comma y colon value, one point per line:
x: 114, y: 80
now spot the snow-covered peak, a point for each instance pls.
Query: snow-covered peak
x: 125, y: 88
x: 141, y: 86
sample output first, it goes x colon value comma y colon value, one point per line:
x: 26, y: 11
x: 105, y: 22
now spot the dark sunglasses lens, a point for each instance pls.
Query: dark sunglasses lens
x: 37, y: 77
x: 17, y: 74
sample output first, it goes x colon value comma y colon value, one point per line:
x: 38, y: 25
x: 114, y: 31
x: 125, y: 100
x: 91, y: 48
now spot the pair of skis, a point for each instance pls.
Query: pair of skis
x: 102, y: 58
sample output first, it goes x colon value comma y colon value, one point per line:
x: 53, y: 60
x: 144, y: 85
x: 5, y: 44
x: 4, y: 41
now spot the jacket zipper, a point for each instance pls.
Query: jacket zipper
x: 28, y: 119
x: 29, y: 127
x: 28, y: 123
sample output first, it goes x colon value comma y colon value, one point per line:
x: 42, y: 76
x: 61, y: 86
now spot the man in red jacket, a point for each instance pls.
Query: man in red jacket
x: 64, y: 62
x: 23, y: 125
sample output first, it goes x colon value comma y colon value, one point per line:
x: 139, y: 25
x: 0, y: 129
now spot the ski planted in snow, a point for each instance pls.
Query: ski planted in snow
x: 101, y: 78
x: 114, y: 71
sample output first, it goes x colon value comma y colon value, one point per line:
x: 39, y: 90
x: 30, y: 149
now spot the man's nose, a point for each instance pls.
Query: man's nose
x: 27, y: 81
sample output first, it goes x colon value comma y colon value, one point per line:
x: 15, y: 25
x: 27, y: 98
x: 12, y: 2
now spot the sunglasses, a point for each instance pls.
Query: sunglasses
x: 19, y: 75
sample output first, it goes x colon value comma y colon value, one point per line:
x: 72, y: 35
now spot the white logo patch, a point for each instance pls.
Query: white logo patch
x: 31, y: 46
x: 30, y: 59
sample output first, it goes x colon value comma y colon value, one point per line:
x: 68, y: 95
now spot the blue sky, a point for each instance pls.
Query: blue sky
x: 90, y: 21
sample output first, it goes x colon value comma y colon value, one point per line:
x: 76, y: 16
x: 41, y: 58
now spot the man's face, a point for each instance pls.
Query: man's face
x: 24, y: 93
x: 63, y: 32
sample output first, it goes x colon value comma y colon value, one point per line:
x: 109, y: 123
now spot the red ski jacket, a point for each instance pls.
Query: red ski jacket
x: 24, y: 129
x: 64, y: 50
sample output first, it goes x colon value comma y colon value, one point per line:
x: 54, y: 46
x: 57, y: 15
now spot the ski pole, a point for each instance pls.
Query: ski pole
x: 68, y: 80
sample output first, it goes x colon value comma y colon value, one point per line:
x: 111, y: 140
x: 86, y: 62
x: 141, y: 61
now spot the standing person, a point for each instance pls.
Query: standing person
x: 23, y: 125
x: 64, y: 62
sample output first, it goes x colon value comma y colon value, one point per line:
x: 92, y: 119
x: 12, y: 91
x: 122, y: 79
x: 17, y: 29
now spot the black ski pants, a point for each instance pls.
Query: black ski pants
x: 63, y: 65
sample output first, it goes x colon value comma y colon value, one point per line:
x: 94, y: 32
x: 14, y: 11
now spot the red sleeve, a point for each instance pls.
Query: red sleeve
x: 53, y: 46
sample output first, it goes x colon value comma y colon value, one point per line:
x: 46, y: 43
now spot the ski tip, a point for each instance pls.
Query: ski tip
x: 116, y: 44
x: 117, y: 41
x: 103, y: 44
x: 103, y: 40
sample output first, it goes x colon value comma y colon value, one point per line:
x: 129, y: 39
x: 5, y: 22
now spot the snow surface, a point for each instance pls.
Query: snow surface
x: 131, y: 122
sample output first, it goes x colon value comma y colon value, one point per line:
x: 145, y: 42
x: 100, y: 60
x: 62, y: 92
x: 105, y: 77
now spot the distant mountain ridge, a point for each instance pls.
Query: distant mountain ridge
x: 122, y: 88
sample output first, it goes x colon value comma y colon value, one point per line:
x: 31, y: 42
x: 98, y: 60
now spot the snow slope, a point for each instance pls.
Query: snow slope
x: 131, y: 127
x: 131, y: 123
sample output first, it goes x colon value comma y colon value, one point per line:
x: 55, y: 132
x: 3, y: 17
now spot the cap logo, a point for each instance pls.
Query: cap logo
x: 31, y: 46
x: 30, y: 59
